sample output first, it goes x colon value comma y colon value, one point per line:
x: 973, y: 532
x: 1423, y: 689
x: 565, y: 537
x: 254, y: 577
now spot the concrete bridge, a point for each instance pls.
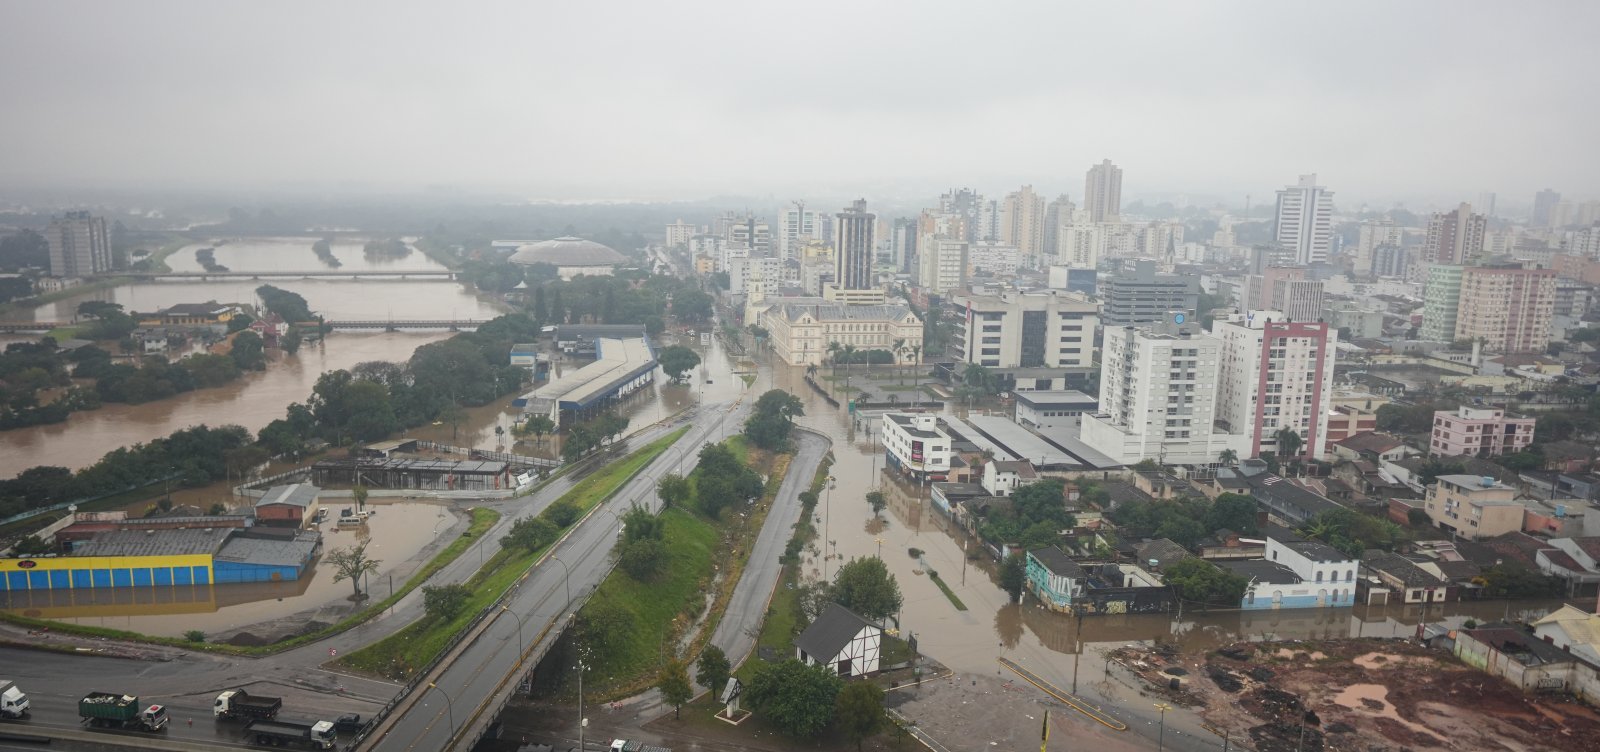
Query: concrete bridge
x: 13, y: 327
x: 454, y: 325
x: 417, y: 274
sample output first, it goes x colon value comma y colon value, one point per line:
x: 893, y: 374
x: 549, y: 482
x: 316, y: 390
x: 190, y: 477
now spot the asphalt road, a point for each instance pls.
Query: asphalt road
x: 547, y: 597
x: 187, y: 682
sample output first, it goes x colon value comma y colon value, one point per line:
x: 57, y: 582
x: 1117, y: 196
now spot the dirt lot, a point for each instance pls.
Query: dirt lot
x: 1366, y: 696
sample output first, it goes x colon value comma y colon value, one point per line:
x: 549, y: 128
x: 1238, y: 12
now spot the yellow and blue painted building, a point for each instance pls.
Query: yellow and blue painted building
x: 161, y: 558
x: 77, y: 572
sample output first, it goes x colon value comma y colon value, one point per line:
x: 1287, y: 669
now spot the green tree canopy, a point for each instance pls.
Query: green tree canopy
x: 673, y: 682
x: 678, y: 360
x: 1201, y: 582
x: 713, y: 669
x: 797, y: 699
x: 858, y: 710
x: 866, y: 587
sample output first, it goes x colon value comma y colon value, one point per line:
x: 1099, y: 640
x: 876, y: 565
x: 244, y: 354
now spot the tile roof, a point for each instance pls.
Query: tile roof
x: 1163, y: 550
x: 1053, y: 559
x: 1369, y: 441
x: 1400, y: 568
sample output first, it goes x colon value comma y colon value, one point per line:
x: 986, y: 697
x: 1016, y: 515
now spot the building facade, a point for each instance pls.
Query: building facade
x: 801, y: 332
x: 1478, y: 432
x: 1102, y: 192
x: 1053, y: 329
x: 917, y: 446
x: 1145, y: 297
x: 79, y: 245
x: 942, y: 264
x: 1158, y: 398
x: 853, y: 249
x: 1455, y: 237
x: 1275, y: 374
x: 1473, y: 506
x: 1441, y: 302
x: 1305, y: 220
x: 1507, y: 307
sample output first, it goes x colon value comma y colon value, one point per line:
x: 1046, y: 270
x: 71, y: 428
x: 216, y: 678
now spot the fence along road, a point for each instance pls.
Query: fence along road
x: 454, y: 705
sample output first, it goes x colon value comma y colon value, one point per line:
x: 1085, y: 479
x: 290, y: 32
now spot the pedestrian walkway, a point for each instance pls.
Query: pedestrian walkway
x: 1072, y: 701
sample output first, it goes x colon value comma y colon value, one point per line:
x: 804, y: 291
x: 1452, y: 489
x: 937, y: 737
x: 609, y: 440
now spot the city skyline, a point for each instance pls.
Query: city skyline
x: 485, y: 110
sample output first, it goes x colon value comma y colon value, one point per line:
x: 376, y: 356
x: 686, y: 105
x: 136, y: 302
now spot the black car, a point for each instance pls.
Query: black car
x: 348, y: 723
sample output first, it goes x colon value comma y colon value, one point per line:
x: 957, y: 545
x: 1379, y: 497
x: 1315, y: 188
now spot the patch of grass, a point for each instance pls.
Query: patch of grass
x: 740, y: 448
x: 747, y: 378
x: 948, y: 593
x: 415, y: 646
x: 895, y: 650
x: 656, y: 606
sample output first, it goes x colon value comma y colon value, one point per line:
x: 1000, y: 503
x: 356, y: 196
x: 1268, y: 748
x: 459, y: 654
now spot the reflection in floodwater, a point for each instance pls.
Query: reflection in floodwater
x: 144, y: 601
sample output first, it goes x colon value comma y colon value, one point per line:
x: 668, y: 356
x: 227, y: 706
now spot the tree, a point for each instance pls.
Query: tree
x: 1013, y: 575
x: 876, y: 500
x: 530, y: 534
x: 858, y: 710
x: 1200, y: 581
x: 713, y: 669
x: 674, y: 490
x: 772, y: 419
x: 351, y: 563
x: 539, y: 425
x: 443, y: 602
x: 359, y: 495
x: 1228, y: 457
x: 677, y: 360
x: 563, y: 512
x: 866, y: 587
x: 797, y: 699
x: 674, y: 685
x: 1236, y: 512
x: 643, y: 560
x: 1289, y: 443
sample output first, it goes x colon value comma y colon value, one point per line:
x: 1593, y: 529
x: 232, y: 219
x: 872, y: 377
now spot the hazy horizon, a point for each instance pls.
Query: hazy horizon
x: 1426, y: 104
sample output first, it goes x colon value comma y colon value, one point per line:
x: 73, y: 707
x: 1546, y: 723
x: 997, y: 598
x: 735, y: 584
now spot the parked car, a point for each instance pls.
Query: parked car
x: 348, y: 723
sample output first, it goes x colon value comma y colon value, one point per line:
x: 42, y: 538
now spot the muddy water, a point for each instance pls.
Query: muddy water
x: 396, y: 533
x: 295, y: 254
x: 252, y: 401
x: 335, y: 299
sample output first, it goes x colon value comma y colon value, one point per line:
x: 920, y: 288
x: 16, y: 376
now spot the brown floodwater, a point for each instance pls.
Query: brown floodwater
x: 295, y: 254
x: 396, y: 533
x: 252, y: 401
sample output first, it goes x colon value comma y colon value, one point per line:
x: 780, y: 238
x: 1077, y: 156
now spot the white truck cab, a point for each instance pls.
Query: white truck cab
x: 13, y: 701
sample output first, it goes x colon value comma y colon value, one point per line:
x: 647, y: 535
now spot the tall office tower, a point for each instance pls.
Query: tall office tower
x: 1275, y: 374
x: 1508, y: 307
x: 941, y: 264
x: 1544, y: 203
x: 679, y: 234
x: 79, y: 245
x: 1455, y: 237
x: 1032, y: 330
x: 1486, y: 201
x: 1158, y: 397
x: 796, y: 226
x: 988, y: 227
x: 1144, y: 297
x: 1441, y: 302
x: 965, y: 204
x: 903, y: 243
x: 1305, y: 220
x: 1102, y: 192
x: 852, y: 247
x: 1056, y: 214
x: 1022, y: 221
x: 1373, y: 233
x: 1390, y: 261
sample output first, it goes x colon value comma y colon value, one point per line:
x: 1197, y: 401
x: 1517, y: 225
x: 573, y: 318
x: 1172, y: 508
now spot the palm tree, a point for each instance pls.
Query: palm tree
x: 916, y: 373
x: 811, y: 370
x: 1228, y: 457
x: 1289, y: 444
x: 833, y: 355
x: 848, y: 352
x: 898, y: 350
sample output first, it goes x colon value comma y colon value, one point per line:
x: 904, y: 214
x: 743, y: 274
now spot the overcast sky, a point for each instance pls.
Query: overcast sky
x: 1418, y: 101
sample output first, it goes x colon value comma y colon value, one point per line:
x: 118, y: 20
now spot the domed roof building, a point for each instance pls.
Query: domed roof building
x: 570, y: 256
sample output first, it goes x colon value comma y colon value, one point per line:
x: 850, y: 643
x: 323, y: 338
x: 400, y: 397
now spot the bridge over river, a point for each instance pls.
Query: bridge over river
x: 417, y: 274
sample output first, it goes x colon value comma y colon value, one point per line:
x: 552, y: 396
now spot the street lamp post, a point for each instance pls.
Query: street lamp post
x: 568, y: 572
x: 1161, y: 738
x: 520, y: 647
x: 449, y: 707
x: 827, y: 512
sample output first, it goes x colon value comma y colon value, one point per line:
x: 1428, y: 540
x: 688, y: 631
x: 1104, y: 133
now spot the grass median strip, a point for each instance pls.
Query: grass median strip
x: 948, y: 593
x: 414, y: 647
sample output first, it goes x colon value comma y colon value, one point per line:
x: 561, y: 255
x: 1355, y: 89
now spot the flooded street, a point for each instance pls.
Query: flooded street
x: 396, y: 533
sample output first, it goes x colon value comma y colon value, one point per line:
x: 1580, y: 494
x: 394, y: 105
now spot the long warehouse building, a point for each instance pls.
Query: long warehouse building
x: 621, y: 367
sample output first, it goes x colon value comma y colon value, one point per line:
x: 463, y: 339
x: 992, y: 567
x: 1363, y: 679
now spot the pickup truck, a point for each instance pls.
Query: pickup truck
x: 13, y: 701
x: 623, y: 745
x: 237, y: 703
x: 110, y: 709
x: 319, y: 734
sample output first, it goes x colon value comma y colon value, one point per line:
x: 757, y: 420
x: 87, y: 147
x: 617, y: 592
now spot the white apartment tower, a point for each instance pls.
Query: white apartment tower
x: 1374, y: 233
x: 79, y: 245
x: 1056, y: 214
x: 679, y: 234
x: 1275, y: 374
x: 941, y: 264
x: 1305, y: 220
x: 796, y: 226
x: 1102, y: 192
x: 1158, y: 397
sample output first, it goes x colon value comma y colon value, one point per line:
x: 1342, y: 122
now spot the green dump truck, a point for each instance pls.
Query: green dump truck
x: 112, y: 710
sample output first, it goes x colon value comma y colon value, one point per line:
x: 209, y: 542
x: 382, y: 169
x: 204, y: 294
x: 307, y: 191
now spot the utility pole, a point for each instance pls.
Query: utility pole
x: 1161, y: 739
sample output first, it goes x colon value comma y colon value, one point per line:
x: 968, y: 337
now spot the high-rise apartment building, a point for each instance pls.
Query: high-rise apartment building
x: 1144, y: 297
x: 746, y: 230
x: 1035, y: 330
x: 903, y: 243
x: 1102, y: 192
x: 796, y: 226
x: 1081, y: 243
x: 1486, y: 203
x: 1056, y: 214
x: 941, y: 264
x: 1373, y: 233
x: 1158, y: 397
x: 853, y: 249
x: 1287, y: 289
x: 1455, y: 237
x: 79, y: 245
x: 679, y: 234
x: 1390, y: 261
x: 1507, y: 307
x: 1305, y: 220
x: 1022, y: 221
x: 1275, y: 374
x: 1441, y: 302
x: 1479, y: 432
x: 1544, y: 204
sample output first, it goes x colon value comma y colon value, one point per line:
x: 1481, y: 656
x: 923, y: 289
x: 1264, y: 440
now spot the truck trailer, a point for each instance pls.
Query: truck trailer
x: 237, y: 703
x: 13, y: 701
x: 109, y: 709
x: 319, y: 735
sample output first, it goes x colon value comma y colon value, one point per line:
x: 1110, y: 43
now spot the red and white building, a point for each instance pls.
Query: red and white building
x: 1479, y: 432
x: 1275, y: 374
